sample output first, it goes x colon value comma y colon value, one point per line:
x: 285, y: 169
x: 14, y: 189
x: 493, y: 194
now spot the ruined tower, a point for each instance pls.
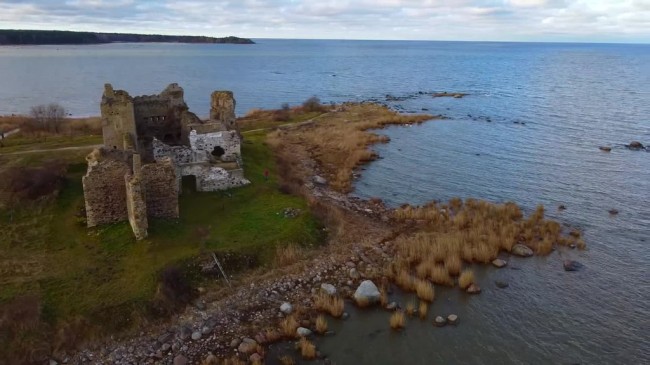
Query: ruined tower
x: 150, y: 143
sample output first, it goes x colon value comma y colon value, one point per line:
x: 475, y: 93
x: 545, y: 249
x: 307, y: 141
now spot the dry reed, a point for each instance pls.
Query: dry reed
x: 287, y: 360
x: 423, y: 309
x: 424, y: 290
x: 307, y: 349
x: 288, y: 326
x: 321, y: 324
x: 333, y: 305
x: 473, y: 231
x: 466, y: 278
x: 410, y: 308
x: 397, y: 320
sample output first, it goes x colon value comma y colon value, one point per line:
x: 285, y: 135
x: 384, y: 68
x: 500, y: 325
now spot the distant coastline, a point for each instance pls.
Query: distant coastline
x: 44, y: 37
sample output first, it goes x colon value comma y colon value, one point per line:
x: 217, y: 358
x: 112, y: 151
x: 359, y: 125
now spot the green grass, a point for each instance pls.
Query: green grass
x: 104, y: 272
x: 20, y: 143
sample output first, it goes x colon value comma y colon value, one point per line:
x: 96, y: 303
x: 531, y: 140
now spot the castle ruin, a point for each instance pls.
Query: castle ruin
x: 150, y: 143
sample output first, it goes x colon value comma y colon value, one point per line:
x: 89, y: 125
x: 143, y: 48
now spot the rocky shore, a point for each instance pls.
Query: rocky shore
x: 225, y: 323
x: 284, y: 303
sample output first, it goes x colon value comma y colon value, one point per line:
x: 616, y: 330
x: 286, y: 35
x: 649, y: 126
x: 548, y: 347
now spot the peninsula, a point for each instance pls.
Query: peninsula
x: 42, y: 37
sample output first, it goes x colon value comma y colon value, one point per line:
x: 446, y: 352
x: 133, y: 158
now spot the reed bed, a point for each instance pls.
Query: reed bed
x: 471, y: 231
x: 340, y: 141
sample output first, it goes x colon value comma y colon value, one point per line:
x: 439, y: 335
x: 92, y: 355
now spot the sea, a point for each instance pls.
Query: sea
x: 528, y: 131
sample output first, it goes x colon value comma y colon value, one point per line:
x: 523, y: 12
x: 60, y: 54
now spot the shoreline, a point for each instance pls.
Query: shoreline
x: 216, y: 327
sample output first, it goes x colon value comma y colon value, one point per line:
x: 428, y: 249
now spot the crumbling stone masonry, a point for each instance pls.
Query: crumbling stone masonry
x: 150, y: 142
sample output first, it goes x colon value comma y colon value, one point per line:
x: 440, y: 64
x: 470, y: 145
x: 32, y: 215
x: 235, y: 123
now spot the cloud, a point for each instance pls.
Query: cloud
x: 527, y: 20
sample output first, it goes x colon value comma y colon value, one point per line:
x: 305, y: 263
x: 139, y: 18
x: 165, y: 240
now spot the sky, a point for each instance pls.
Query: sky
x: 472, y: 20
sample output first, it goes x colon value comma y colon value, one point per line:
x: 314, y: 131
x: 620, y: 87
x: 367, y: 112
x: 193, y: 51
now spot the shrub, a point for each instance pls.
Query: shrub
x: 466, y: 279
x: 313, y: 105
x: 397, y: 320
x: 173, y: 293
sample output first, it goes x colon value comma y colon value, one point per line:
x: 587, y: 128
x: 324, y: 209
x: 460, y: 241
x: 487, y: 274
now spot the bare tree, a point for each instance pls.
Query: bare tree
x: 47, y: 117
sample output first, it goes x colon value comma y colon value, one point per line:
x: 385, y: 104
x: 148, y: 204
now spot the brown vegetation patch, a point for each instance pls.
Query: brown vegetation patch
x: 339, y: 141
x: 473, y: 231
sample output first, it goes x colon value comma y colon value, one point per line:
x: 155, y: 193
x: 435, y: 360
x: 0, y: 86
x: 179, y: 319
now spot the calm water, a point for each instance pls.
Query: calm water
x: 572, y: 99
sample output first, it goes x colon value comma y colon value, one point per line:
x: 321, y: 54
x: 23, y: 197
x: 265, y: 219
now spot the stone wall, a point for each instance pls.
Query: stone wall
x: 136, y: 205
x: 222, y: 108
x: 212, y: 178
x: 104, y: 188
x: 118, y: 118
x: 162, y: 187
x: 228, y: 140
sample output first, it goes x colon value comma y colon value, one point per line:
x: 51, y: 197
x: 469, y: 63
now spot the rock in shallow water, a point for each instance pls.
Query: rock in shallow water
x: 367, y: 291
x: 571, y: 265
x: 501, y: 284
x: 473, y: 289
x: 452, y: 319
x: 499, y: 263
x: 521, y: 250
x: 303, y: 332
x: 439, y: 321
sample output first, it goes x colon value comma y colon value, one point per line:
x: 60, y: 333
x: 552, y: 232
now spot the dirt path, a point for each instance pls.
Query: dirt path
x: 51, y: 149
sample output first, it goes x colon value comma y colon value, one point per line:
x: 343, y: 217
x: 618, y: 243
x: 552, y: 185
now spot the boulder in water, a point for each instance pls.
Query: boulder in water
x: 635, y: 145
x: 571, y: 265
x: 521, y: 250
x: 452, y: 319
x: 367, y: 292
x: 473, y: 289
x: 605, y: 148
x: 499, y: 263
x: 439, y: 321
x: 501, y: 284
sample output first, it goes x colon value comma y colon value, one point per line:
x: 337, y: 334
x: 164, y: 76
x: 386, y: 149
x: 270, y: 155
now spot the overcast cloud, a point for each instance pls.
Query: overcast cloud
x: 515, y: 20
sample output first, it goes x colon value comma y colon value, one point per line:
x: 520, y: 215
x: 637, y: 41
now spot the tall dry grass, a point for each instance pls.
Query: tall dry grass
x: 424, y: 290
x: 423, y: 309
x: 307, y: 348
x: 340, y: 141
x: 287, y: 255
x: 473, y: 231
x: 466, y: 279
x: 331, y: 304
x: 321, y: 324
x: 288, y: 326
x: 397, y: 320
